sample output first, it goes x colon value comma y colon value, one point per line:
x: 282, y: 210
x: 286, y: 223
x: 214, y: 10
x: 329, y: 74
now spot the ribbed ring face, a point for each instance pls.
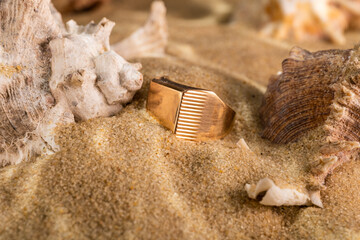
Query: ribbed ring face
x: 190, y: 114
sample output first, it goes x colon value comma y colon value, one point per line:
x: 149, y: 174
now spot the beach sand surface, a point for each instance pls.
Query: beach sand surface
x: 127, y: 177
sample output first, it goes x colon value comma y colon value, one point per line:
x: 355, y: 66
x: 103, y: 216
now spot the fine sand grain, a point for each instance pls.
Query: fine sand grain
x: 127, y: 177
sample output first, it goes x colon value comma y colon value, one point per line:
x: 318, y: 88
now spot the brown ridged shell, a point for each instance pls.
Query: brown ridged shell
x: 319, y: 89
x: 299, y: 98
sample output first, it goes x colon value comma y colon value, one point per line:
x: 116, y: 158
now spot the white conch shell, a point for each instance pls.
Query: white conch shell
x: 150, y: 40
x: 109, y: 68
x: 82, y: 64
x: 276, y: 196
x: 52, y: 74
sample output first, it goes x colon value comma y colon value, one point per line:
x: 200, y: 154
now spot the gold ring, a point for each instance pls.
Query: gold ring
x: 191, y: 113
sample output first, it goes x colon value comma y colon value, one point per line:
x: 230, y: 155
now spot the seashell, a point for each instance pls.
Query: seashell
x: 150, y: 40
x: 59, y: 74
x: 24, y: 93
x: 300, y: 97
x: 276, y: 196
x: 87, y: 76
x: 243, y: 145
x: 352, y: 10
x: 319, y: 89
x: 308, y: 19
x: 313, y: 89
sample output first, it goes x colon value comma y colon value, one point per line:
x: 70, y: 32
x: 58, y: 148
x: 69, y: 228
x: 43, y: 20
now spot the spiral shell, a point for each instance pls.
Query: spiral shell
x: 51, y: 74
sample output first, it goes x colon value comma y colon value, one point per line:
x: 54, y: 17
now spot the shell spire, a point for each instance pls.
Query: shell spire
x: 150, y: 40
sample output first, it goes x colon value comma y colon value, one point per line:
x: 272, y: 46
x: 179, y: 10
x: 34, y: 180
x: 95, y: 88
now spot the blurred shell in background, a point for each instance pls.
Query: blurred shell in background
x: 311, y: 19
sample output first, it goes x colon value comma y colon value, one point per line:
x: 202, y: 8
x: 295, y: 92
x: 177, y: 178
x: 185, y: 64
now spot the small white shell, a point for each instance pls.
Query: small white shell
x: 243, y: 145
x: 276, y: 196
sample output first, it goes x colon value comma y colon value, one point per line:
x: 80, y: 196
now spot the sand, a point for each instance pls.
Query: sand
x: 127, y: 177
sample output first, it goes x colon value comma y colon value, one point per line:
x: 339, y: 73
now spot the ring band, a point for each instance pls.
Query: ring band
x: 191, y: 113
